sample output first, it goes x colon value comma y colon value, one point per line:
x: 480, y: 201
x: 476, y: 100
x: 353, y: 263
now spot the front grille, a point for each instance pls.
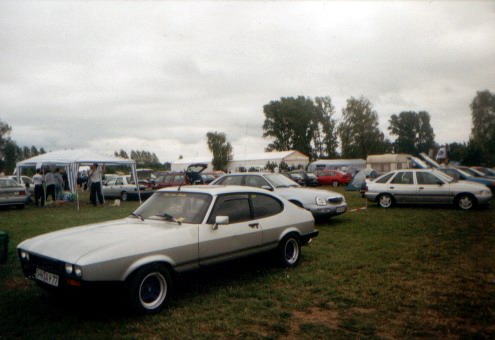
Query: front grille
x: 335, y: 200
x: 49, y: 265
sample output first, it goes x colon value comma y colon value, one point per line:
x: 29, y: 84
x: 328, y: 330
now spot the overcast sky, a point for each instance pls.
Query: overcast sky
x: 159, y: 75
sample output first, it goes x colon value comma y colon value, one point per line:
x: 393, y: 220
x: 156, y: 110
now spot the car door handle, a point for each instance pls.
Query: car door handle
x: 391, y: 187
x: 421, y: 188
x: 254, y: 225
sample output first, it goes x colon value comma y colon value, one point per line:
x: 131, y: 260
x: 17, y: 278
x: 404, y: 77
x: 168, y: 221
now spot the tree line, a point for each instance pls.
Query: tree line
x: 308, y: 125
x: 11, y: 153
x: 144, y: 159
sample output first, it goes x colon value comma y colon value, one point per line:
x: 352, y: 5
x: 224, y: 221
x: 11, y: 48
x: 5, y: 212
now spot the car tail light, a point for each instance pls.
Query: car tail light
x: 22, y: 193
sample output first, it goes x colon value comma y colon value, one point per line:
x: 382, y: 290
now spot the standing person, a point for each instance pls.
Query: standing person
x: 39, y: 190
x: 59, y: 184
x: 50, y: 184
x: 94, y: 177
x: 66, y: 179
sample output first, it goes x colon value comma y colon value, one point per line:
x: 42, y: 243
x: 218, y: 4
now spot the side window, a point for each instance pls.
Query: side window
x: 111, y: 182
x: 119, y: 181
x: 256, y: 181
x: 230, y: 180
x: 405, y: 177
x: 178, y: 179
x: 168, y: 179
x: 264, y: 206
x: 426, y: 178
x: 385, y: 178
x: 236, y: 207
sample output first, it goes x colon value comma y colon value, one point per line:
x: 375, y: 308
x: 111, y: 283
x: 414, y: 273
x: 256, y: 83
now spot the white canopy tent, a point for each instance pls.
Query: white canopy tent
x: 71, y: 160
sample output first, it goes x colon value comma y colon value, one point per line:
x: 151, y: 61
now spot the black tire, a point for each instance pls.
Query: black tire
x: 465, y: 201
x: 124, y: 196
x: 335, y: 184
x: 20, y: 206
x: 289, y: 251
x: 149, y: 289
x: 386, y: 200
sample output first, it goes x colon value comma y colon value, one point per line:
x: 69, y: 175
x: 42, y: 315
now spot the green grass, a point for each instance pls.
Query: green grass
x: 405, y: 272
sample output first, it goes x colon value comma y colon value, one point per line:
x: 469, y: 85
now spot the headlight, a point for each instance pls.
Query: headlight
x: 78, y: 271
x: 320, y: 201
x: 485, y: 192
x: 69, y: 268
x: 25, y: 256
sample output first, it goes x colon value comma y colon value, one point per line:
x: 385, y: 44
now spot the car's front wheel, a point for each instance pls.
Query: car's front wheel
x: 465, y: 201
x: 149, y: 289
x: 124, y: 196
x: 385, y: 201
x: 335, y: 184
x: 289, y: 251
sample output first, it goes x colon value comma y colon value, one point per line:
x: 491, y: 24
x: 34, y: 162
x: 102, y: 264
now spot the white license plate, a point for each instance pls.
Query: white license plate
x: 46, y: 277
x: 340, y: 209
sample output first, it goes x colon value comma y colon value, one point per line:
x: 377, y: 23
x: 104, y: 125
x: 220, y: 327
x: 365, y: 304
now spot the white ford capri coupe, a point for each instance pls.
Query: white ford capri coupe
x: 175, y: 230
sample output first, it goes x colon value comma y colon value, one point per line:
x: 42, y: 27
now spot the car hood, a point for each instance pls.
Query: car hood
x: 71, y: 244
x: 305, y: 193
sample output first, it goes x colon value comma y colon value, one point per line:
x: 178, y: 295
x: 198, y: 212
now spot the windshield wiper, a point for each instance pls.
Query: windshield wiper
x: 138, y: 216
x: 170, y: 218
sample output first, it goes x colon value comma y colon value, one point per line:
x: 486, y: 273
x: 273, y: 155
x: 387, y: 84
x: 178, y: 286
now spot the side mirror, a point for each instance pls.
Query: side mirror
x: 267, y: 187
x: 440, y: 183
x: 220, y: 220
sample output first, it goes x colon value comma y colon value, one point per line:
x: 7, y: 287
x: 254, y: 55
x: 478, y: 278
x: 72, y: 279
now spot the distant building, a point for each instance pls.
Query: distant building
x: 248, y: 162
x: 388, y: 162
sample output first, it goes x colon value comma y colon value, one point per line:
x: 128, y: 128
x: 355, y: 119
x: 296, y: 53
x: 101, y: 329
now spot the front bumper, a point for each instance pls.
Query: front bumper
x: 328, y: 210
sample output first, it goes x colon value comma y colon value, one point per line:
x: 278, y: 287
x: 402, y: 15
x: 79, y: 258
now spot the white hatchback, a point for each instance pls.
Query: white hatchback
x: 425, y: 186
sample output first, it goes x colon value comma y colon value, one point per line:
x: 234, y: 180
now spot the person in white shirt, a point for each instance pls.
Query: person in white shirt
x: 94, y: 177
x: 39, y: 190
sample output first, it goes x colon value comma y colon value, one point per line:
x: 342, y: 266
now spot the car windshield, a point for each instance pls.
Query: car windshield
x: 280, y: 181
x: 182, y: 207
x: 8, y: 183
x: 311, y: 175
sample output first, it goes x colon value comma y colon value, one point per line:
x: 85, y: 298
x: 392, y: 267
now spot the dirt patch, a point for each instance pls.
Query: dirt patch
x: 16, y: 283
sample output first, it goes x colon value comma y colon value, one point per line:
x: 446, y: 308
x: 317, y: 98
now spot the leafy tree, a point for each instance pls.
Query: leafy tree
x: 270, y: 166
x: 483, y: 131
x: 300, y: 124
x: 34, y: 151
x: 220, y: 148
x: 457, y: 151
x: 5, y: 130
x: 359, y: 132
x: 414, y: 132
x: 11, y: 152
x: 283, y: 166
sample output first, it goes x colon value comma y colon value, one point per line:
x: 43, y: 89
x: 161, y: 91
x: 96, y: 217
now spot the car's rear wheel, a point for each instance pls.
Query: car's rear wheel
x: 386, y: 201
x: 289, y: 251
x: 335, y: 183
x: 465, y: 201
x: 124, y: 196
x: 149, y: 289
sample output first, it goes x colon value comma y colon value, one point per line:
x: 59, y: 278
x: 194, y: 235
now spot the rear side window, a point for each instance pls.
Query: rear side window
x: 230, y: 180
x: 264, y: 206
x: 385, y: 178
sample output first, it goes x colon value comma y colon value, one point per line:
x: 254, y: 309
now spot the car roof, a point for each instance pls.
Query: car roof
x: 216, y: 189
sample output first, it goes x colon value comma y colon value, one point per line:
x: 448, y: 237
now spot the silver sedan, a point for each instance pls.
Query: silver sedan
x: 321, y: 203
x: 175, y: 230
x: 425, y: 186
x: 12, y: 194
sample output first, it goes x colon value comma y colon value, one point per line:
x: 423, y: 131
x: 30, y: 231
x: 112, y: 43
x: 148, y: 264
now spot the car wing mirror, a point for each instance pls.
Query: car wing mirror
x: 267, y: 187
x: 440, y: 183
x: 220, y: 220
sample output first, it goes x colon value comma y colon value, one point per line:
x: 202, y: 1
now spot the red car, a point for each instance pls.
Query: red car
x: 333, y: 177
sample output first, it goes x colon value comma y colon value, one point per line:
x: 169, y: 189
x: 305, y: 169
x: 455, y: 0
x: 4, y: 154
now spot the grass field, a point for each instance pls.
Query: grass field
x: 404, y: 272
